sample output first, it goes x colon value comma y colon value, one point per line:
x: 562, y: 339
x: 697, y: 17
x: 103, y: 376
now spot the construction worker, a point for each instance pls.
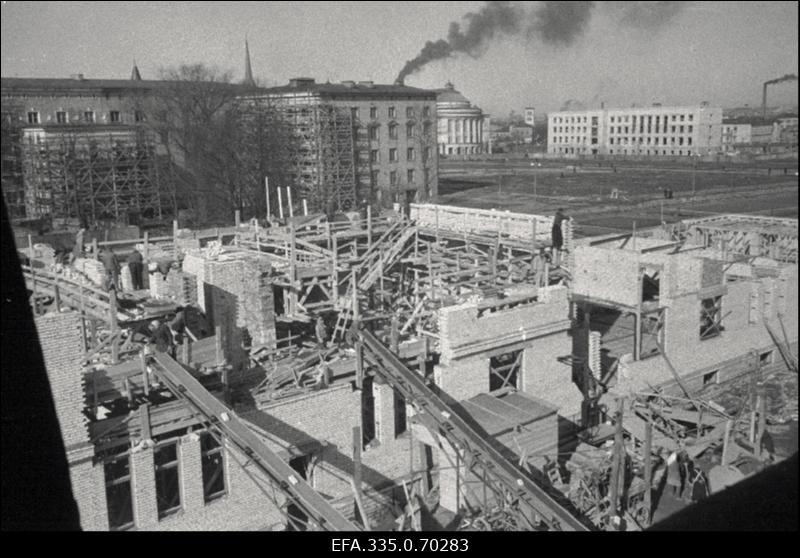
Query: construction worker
x: 111, y: 265
x: 321, y: 331
x: 557, y: 236
x: 136, y: 267
x: 77, y: 250
x: 162, y: 338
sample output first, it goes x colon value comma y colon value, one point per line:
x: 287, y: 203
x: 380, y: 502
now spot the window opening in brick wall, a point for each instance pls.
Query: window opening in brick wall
x: 113, y: 116
x: 119, y: 497
x: 710, y: 318
x: 168, y: 487
x: 711, y: 378
x: 212, y: 457
x: 61, y: 117
x: 504, y: 370
x: 400, y: 418
x: 765, y: 358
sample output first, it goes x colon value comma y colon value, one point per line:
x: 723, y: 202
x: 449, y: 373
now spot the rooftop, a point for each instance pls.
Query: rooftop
x: 349, y: 89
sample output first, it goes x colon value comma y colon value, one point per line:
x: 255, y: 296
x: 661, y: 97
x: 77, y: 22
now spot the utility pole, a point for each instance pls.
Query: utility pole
x: 617, y: 465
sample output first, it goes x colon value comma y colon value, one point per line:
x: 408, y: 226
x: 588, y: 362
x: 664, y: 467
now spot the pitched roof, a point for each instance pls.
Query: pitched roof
x: 349, y: 89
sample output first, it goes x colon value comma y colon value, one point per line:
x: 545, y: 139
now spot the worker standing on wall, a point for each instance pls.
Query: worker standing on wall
x: 557, y: 236
x: 77, y: 250
x: 111, y: 265
x: 136, y: 267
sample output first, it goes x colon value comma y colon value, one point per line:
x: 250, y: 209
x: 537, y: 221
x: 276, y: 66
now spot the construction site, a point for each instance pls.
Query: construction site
x: 423, y: 368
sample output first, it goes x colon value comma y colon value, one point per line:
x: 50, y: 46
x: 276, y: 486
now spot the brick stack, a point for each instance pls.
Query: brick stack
x: 125, y: 278
x: 92, y: 269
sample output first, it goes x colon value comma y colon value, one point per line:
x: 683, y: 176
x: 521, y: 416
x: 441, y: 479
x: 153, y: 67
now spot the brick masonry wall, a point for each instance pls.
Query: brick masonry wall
x: 606, y: 274
x: 545, y: 377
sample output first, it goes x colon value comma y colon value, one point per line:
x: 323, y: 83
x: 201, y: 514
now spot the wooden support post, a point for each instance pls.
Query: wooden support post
x: 112, y: 310
x: 57, y: 296
x: 84, y: 340
x: 94, y: 247
x: 533, y: 237
x: 289, y: 201
x: 128, y: 389
x: 416, y: 242
x: 369, y: 227
x: 219, y: 352
x: 633, y: 236
x: 637, y: 334
x: 617, y: 464
x: 430, y: 274
x: 648, y: 465
x: 144, y: 415
x: 357, y: 441
x: 359, y: 365
x: 280, y: 203
x: 436, y: 213
x: 266, y: 195
x: 354, y: 294
x: 175, y: 238
x: 335, y: 264
x: 762, y: 420
x: 726, y: 442
x: 93, y: 330
x: 145, y: 373
x: 305, y: 206
x: 186, y: 350
x: 146, y: 250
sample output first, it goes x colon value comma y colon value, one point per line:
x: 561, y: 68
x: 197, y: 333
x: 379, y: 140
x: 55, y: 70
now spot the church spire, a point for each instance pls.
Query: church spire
x: 248, y: 71
x: 135, y: 75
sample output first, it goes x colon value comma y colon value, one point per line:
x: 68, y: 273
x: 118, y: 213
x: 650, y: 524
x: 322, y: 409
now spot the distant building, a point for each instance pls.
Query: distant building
x: 735, y: 134
x: 521, y: 133
x: 653, y: 131
x: 462, y: 127
x: 530, y: 114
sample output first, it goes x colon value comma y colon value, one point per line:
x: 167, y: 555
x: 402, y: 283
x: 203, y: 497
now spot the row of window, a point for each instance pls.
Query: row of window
x: 625, y: 140
x: 673, y: 129
x: 624, y: 118
x: 411, y: 155
x: 574, y: 120
x: 166, y: 462
x: 374, y: 130
x: 63, y: 117
x: 594, y: 151
x: 411, y: 176
x: 392, y: 112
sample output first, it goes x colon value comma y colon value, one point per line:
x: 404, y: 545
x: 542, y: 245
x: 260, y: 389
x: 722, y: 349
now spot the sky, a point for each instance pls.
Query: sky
x: 720, y: 52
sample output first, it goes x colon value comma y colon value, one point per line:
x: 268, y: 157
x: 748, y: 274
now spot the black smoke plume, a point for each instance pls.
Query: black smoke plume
x: 787, y: 77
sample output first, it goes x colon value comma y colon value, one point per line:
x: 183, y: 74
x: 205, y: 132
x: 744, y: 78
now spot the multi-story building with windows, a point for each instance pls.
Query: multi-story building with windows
x: 654, y: 131
x: 374, y: 142
x: 735, y: 134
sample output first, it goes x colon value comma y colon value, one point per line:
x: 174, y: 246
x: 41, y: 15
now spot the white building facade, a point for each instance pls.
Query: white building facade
x: 733, y: 134
x: 653, y: 131
x: 463, y: 129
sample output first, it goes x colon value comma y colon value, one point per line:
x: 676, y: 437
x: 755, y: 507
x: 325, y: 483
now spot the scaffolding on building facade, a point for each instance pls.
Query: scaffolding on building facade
x: 91, y: 175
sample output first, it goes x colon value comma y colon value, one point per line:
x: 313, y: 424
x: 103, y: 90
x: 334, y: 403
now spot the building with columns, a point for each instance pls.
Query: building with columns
x: 461, y: 125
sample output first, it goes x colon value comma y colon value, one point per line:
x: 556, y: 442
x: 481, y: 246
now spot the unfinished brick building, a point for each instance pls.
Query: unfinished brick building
x: 341, y: 375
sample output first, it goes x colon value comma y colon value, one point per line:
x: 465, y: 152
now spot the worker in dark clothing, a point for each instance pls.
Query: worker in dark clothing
x: 557, y: 236
x: 136, y: 267
x: 111, y: 264
x: 177, y: 326
x: 321, y: 331
x: 162, y: 338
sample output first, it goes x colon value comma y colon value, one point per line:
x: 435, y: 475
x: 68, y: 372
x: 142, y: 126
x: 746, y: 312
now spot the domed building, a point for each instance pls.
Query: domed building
x: 461, y: 125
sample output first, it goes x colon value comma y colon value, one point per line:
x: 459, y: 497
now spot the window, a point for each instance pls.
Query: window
x: 393, y: 178
x: 393, y: 155
x: 409, y: 130
x: 410, y: 154
x: 410, y: 176
x: 504, y: 370
x: 113, y: 116
x: 392, y: 112
x: 690, y: 129
x: 711, y: 378
x: 426, y: 129
x: 428, y: 154
x: 409, y: 112
x: 691, y: 117
x: 374, y: 156
x: 374, y: 131
x: 119, y: 498
x: 33, y: 117
x: 213, y: 461
x: 168, y: 489
x: 61, y: 117
x: 426, y: 111
x: 88, y: 117
x: 373, y: 112
x: 400, y: 420
x: 392, y: 131
x: 138, y: 116
x: 710, y: 317
x: 355, y: 113
x: 373, y: 176
x: 426, y: 176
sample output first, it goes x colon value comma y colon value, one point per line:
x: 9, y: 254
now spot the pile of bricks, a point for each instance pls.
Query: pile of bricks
x: 92, y: 269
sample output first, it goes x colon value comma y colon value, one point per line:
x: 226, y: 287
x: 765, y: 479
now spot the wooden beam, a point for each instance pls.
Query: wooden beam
x: 617, y: 463
x: 648, y: 466
x: 356, y: 480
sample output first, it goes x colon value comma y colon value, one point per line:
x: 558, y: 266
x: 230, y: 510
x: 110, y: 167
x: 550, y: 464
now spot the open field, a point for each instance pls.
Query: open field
x: 586, y: 192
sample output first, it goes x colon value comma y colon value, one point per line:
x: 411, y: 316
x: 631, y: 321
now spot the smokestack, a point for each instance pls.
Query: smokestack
x: 764, y: 101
